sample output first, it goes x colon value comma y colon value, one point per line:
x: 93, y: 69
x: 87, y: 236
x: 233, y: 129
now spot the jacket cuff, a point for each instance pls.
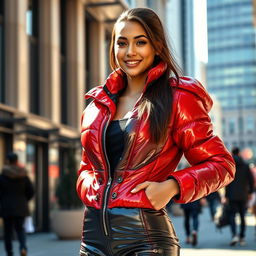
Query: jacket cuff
x: 186, y: 184
x: 177, y: 197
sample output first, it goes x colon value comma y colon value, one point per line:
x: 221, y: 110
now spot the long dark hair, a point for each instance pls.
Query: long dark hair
x: 157, y: 99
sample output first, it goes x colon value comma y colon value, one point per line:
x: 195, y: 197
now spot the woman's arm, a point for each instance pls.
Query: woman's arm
x: 212, y: 166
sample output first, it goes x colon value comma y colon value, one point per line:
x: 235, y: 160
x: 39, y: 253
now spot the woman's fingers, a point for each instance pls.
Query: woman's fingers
x: 158, y: 193
x: 140, y: 187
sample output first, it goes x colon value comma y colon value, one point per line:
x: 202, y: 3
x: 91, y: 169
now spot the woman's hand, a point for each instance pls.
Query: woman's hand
x: 159, y: 193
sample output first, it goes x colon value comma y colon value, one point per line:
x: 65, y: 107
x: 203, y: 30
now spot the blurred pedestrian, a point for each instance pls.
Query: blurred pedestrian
x: 253, y: 210
x: 213, y: 201
x: 191, y: 215
x: 15, y: 191
x: 237, y: 194
x: 252, y: 202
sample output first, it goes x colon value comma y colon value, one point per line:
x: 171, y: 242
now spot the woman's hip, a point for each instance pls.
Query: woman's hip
x: 128, y: 232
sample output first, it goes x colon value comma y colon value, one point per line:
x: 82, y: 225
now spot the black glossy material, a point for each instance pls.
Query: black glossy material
x: 132, y: 232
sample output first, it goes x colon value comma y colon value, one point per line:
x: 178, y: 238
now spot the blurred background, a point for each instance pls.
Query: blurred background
x: 53, y: 51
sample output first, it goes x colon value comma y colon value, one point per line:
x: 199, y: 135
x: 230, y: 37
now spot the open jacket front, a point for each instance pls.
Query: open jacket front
x: 189, y: 133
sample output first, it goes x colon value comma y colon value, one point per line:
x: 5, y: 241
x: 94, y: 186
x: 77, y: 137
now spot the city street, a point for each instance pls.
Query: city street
x: 102, y: 99
x: 211, y: 241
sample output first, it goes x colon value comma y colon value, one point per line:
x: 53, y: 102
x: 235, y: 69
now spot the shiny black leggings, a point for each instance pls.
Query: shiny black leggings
x: 130, y: 232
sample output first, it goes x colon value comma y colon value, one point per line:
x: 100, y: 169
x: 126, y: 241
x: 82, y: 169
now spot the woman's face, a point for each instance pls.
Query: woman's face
x: 134, y: 53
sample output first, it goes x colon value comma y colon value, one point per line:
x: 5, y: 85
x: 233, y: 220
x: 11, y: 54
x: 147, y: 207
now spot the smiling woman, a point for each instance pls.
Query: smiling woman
x: 139, y: 43
x: 145, y: 117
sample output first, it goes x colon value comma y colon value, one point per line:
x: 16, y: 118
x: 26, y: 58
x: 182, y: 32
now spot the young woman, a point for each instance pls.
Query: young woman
x: 134, y: 132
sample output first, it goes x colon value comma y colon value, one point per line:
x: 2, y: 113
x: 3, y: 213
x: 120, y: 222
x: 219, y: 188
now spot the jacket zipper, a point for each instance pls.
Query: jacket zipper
x: 106, y: 193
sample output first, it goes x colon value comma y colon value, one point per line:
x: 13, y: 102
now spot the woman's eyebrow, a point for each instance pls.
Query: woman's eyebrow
x: 136, y: 37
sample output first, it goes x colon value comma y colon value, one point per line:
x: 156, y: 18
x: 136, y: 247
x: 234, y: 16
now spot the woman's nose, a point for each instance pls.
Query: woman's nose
x: 131, y: 51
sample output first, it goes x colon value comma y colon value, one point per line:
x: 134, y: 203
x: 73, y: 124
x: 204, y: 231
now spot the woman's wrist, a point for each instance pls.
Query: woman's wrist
x: 172, y: 186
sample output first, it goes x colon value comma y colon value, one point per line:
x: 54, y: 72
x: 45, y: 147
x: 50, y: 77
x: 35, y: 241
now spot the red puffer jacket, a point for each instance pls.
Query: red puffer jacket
x: 190, y: 132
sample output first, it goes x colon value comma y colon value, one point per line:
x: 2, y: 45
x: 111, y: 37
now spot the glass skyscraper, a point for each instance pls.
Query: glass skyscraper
x: 231, y: 71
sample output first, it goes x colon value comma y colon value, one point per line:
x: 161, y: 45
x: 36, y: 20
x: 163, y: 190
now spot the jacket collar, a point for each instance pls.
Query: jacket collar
x: 115, y: 84
x: 14, y: 171
x: 116, y: 80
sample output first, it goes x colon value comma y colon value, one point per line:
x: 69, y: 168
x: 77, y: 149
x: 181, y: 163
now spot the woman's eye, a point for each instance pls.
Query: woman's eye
x: 121, y: 44
x: 141, y: 42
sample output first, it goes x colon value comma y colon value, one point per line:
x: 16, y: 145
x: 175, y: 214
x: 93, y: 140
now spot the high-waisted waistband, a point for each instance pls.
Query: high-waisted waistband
x: 131, y: 232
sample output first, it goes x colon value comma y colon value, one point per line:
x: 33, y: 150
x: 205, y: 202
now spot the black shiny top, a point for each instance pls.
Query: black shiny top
x: 115, y: 140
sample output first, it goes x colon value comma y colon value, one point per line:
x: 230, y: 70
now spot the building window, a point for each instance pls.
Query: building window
x: 231, y: 126
x: 234, y: 144
x: 33, y: 34
x: 151, y: 4
x: 29, y: 22
x: 250, y: 143
x: 2, y: 59
x: 249, y: 124
x: 241, y: 144
x: 63, y: 39
x: 240, y: 125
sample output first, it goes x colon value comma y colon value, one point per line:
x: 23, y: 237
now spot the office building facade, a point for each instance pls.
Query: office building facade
x: 231, y: 71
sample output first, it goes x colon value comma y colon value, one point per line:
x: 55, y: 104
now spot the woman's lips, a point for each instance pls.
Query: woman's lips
x: 132, y: 63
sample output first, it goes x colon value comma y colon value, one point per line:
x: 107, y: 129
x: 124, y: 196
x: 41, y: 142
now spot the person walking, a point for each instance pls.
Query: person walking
x: 213, y: 201
x: 191, y: 212
x: 16, y: 190
x: 237, y: 194
x: 253, y: 200
x: 134, y: 133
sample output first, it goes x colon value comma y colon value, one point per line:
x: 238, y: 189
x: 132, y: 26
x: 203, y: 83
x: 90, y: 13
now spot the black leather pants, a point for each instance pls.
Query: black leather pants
x: 130, y: 232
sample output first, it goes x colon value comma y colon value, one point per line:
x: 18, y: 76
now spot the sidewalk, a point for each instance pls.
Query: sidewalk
x: 47, y: 244
x: 211, y: 242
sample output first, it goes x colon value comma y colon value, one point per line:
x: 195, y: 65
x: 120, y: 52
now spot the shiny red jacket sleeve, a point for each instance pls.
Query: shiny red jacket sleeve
x: 85, y: 173
x: 212, y: 166
x: 85, y: 176
x: 84, y: 164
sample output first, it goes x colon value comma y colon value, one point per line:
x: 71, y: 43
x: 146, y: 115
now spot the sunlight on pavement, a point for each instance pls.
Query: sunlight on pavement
x: 250, y: 220
x: 214, y: 252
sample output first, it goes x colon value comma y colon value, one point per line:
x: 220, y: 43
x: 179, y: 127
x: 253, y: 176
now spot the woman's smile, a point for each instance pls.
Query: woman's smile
x: 132, y: 63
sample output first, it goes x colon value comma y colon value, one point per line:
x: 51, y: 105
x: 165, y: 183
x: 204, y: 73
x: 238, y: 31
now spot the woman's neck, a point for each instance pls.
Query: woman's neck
x: 135, y: 86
